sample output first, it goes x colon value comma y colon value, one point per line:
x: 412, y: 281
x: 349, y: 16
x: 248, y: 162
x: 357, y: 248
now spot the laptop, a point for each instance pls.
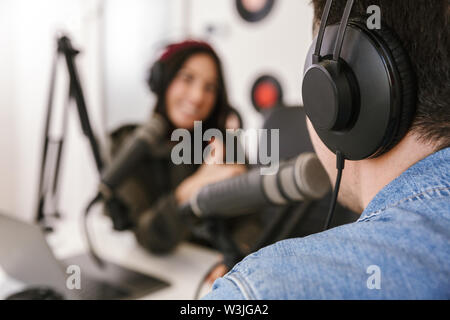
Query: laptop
x: 26, y: 257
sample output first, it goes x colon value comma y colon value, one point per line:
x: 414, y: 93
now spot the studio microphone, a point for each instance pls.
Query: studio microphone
x: 144, y: 142
x: 302, y: 178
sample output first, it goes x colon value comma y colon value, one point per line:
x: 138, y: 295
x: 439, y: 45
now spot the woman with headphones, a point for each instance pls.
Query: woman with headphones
x: 189, y: 85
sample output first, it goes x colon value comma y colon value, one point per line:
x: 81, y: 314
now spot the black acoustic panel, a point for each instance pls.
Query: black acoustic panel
x: 294, y: 136
x: 254, y: 10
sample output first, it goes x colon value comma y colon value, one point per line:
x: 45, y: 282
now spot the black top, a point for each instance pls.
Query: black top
x: 149, y: 195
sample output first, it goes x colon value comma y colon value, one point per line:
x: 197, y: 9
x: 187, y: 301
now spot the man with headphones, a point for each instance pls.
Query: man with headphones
x: 378, y: 102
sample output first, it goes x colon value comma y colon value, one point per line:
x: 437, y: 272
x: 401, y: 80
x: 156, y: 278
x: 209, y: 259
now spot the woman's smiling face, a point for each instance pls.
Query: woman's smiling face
x: 192, y: 94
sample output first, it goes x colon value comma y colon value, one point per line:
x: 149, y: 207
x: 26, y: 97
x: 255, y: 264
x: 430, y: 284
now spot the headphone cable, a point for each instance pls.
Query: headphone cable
x: 340, y: 162
x: 91, y: 249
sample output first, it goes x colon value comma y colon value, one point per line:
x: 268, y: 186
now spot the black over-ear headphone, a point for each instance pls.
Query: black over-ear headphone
x: 359, y: 91
x: 155, y: 77
x: 358, y: 87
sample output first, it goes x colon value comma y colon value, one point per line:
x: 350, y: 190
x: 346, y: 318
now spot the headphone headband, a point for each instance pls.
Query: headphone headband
x: 187, y: 44
x: 341, y: 33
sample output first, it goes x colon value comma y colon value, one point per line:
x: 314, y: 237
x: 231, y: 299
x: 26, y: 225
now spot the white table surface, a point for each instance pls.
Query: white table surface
x: 183, y: 269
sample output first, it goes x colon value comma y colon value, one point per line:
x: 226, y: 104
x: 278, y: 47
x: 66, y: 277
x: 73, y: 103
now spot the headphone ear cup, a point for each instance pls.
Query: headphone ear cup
x: 155, y: 78
x: 408, y: 85
x: 386, y: 85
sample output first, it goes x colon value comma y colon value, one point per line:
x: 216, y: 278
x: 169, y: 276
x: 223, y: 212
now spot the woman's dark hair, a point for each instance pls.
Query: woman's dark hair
x: 172, y: 65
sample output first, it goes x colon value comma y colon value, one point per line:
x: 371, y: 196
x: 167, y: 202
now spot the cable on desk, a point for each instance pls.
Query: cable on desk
x: 202, y: 282
x: 91, y: 249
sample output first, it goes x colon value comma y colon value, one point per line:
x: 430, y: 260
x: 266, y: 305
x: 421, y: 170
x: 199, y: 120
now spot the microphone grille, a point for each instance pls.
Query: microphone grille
x: 153, y: 130
x: 310, y: 176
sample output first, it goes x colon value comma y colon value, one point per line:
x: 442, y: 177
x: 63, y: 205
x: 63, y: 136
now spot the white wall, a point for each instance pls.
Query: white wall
x: 28, y: 42
x: 8, y: 150
x: 276, y: 45
x: 132, y: 30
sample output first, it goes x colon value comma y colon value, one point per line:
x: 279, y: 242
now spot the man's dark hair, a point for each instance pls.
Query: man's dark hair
x: 423, y: 28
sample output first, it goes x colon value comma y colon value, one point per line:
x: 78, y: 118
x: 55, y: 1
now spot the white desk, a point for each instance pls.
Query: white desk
x: 183, y: 269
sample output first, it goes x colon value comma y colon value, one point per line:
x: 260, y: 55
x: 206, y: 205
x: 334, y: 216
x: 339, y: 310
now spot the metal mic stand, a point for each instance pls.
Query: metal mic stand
x: 134, y: 284
x: 64, y: 49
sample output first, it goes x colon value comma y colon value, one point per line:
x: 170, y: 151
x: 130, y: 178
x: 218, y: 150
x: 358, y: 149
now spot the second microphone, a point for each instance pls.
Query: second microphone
x: 299, y: 179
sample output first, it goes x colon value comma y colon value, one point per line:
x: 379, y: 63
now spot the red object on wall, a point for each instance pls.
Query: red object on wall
x: 266, y: 93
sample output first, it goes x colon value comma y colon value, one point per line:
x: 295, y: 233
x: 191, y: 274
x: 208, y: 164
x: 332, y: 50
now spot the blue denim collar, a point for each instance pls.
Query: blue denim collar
x: 431, y: 173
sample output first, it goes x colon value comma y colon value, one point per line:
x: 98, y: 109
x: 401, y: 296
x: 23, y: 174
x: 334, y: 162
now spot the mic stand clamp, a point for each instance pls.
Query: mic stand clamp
x: 215, y: 231
x: 116, y: 208
x: 119, y: 213
x: 219, y: 236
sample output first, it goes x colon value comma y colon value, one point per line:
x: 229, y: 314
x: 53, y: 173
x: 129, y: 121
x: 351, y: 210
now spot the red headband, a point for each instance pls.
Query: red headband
x: 176, y: 47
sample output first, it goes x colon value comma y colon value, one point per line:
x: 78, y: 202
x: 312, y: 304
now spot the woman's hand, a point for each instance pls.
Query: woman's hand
x: 213, y: 170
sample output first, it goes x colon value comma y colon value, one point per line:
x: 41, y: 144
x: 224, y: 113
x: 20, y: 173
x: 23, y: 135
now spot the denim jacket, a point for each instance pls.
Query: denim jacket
x: 398, y: 249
